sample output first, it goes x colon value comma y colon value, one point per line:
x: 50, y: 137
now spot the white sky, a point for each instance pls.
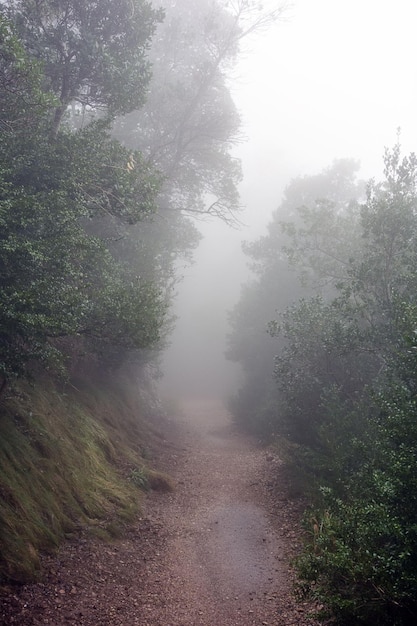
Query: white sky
x: 335, y: 79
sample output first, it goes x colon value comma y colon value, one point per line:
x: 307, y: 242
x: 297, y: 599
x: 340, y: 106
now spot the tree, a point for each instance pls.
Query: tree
x: 347, y: 376
x: 298, y: 253
x: 23, y: 99
x: 56, y: 280
x: 189, y: 122
x: 92, y: 53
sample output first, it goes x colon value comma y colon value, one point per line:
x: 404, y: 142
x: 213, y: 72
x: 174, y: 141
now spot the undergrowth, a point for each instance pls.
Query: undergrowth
x: 65, y: 463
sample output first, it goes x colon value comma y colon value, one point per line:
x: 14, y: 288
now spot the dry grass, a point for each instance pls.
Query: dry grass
x: 63, y: 460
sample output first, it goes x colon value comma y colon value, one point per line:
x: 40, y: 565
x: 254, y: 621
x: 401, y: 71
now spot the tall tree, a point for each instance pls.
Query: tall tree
x: 348, y: 378
x: 93, y: 53
x: 190, y: 122
x: 306, y: 246
x: 56, y: 280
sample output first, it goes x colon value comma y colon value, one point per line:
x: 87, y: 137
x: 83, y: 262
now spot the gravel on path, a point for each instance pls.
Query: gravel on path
x: 214, y: 552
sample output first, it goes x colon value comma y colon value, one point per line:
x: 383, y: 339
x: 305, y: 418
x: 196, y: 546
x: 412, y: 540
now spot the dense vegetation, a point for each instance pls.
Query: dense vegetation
x: 58, y: 281
x: 342, y: 394
x: 116, y: 126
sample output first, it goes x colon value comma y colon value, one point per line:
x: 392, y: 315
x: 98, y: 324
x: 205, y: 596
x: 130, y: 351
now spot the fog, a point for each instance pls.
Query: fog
x: 330, y: 80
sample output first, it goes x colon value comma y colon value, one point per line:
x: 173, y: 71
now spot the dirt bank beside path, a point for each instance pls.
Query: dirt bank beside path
x: 215, y: 552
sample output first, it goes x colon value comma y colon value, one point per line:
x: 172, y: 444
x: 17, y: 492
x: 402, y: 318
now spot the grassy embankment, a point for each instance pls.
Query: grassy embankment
x: 68, y: 461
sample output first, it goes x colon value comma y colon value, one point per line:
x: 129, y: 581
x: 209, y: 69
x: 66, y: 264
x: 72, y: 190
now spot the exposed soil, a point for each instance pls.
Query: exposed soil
x: 214, y: 552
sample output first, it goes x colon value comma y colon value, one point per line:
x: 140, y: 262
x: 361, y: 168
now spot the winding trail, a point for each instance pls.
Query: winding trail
x: 214, y: 552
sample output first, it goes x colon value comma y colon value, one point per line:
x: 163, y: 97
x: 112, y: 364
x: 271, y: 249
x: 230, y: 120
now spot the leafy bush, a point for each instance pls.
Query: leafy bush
x: 361, y: 561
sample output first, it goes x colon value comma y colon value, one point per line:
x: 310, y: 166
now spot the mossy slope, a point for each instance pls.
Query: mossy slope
x: 64, y: 463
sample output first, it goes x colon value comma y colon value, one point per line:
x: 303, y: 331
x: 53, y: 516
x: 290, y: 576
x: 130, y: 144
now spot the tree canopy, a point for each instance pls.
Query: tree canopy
x: 93, y: 53
x: 57, y: 281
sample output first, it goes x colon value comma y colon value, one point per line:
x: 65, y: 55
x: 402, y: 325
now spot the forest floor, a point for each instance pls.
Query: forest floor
x: 216, y: 551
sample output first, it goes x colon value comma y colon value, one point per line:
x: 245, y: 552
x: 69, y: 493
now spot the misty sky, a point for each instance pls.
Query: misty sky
x: 335, y: 78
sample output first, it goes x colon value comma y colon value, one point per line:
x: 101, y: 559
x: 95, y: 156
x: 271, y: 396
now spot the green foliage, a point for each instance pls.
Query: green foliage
x: 346, y: 376
x: 23, y: 99
x: 362, y: 560
x: 325, y: 349
x: 56, y: 280
x: 139, y: 477
x: 189, y: 122
x: 287, y: 262
x: 93, y: 53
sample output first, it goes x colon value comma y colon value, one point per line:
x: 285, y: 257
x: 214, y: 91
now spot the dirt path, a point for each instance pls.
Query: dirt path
x: 214, y: 552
